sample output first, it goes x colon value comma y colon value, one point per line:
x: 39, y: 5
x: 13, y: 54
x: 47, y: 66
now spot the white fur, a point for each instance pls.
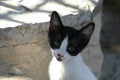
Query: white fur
x: 71, y: 68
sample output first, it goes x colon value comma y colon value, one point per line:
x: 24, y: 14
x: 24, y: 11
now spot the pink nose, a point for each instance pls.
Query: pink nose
x: 60, y: 55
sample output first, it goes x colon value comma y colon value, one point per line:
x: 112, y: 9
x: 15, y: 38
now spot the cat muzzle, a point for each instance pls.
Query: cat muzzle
x: 60, y: 56
x: 59, y: 59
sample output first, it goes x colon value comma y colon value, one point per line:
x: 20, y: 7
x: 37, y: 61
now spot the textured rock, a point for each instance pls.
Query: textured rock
x: 28, y: 52
x: 8, y: 72
x: 26, y: 47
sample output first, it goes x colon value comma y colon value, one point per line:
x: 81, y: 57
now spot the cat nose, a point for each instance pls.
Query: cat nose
x: 60, y: 55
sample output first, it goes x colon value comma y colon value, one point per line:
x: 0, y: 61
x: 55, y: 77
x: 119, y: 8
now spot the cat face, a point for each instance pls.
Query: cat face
x: 67, y: 42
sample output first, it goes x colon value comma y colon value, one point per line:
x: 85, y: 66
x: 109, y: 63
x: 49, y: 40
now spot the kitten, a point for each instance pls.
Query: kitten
x: 66, y: 44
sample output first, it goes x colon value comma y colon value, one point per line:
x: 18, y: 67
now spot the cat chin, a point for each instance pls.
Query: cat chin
x: 59, y: 59
x: 63, y: 60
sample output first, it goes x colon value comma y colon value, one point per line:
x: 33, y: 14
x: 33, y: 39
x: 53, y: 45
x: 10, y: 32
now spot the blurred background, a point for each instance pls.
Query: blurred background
x: 110, y: 40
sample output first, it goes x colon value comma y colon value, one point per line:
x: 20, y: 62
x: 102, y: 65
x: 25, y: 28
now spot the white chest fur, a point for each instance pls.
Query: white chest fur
x: 74, y: 69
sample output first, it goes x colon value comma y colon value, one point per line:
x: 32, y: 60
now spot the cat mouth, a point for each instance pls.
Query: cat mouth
x: 59, y: 59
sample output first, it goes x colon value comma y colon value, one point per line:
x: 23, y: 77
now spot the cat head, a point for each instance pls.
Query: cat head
x: 67, y: 42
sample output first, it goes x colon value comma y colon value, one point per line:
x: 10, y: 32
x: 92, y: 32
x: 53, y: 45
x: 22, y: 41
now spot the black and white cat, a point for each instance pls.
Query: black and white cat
x: 66, y: 44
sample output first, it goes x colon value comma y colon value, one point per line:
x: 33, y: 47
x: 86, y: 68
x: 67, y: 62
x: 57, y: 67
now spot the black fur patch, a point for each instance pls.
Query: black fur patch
x: 77, y: 39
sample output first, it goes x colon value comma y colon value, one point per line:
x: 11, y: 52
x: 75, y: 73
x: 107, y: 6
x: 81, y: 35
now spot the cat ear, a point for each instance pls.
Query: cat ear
x: 55, y: 22
x: 88, y: 30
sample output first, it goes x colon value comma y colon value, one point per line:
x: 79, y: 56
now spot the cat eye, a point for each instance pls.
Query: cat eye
x: 71, y: 49
x: 56, y: 44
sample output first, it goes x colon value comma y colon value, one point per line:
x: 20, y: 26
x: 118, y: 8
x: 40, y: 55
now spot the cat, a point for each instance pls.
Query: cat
x: 66, y: 43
